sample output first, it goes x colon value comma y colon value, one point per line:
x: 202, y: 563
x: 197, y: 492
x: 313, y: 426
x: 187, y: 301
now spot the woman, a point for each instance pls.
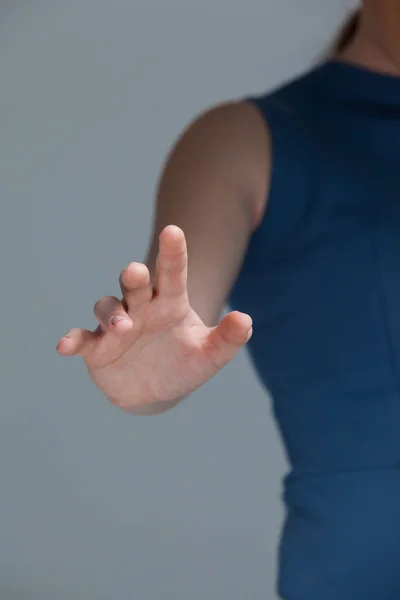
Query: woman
x: 290, y: 207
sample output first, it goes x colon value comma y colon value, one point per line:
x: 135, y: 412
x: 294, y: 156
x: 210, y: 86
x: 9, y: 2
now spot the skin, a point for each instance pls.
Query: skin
x: 163, y: 338
x: 377, y: 43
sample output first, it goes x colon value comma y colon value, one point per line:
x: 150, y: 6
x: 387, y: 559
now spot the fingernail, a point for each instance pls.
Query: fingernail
x: 116, y: 319
x: 60, y: 340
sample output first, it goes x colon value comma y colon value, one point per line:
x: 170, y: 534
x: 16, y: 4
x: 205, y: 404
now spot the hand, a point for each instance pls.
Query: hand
x: 151, y: 346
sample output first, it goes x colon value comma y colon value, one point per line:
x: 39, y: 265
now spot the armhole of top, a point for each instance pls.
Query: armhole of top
x: 289, y: 183
x: 289, y: 194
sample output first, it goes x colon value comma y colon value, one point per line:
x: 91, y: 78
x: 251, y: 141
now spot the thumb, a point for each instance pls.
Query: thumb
x: 226, y: 339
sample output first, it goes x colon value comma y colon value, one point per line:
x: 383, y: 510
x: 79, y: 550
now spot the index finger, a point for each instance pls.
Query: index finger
x: 172, y: 263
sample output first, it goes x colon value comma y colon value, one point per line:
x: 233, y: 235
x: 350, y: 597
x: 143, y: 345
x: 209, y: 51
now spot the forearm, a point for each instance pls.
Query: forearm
x: 214, y: 188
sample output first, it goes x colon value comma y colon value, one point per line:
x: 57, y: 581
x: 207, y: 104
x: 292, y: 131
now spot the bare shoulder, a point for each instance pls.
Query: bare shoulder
x: 234, y: 136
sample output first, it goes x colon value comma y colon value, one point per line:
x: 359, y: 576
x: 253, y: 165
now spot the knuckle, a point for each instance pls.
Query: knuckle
x: 97, y: 306
x: 100, y: 305
x: 104, y: 303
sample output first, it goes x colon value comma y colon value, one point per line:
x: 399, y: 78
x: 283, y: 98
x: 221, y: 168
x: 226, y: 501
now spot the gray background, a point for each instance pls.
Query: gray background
x: 95, y: 504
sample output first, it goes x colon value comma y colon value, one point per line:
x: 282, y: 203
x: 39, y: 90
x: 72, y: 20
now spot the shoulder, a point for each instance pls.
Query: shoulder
x: 236, y: 126
x: 237, y: 138
x: 231, y: 141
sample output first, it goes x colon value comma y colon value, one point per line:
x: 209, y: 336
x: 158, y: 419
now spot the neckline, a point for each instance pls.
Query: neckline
x: 361, y: 82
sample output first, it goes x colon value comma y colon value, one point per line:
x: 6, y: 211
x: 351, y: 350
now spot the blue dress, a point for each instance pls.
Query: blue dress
x: 321, y: 280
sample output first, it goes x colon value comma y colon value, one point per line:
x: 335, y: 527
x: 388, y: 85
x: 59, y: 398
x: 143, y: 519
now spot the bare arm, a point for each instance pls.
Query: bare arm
x: 214, y: 187
x: 153, y: 349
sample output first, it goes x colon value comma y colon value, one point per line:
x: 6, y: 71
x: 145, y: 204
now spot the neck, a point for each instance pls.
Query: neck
x: 376, y: 45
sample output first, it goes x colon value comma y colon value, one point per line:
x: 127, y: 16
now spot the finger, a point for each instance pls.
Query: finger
x: 112, y: 316
x: 225, y: 340
x: 136, y: 285
x: 172, y: 261
x: 76, y: 342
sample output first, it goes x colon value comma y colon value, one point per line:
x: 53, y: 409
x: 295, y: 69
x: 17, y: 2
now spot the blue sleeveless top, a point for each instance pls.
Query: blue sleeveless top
x: 321, y: 280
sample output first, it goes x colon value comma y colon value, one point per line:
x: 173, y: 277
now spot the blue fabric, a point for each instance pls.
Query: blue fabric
x: 321, y: 280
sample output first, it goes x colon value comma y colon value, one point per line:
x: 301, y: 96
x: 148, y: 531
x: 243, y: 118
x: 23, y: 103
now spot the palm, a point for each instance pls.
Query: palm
x: 155, y: 365
x: 160, y: 349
